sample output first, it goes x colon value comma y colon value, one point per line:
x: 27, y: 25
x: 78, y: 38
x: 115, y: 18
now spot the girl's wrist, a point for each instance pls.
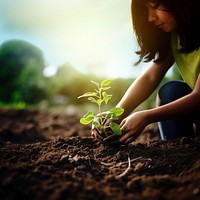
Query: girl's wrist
x: 149, y: 116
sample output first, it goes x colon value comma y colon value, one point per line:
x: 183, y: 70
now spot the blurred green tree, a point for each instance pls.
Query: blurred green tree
x: 21, y: 72
x: 70, y: 83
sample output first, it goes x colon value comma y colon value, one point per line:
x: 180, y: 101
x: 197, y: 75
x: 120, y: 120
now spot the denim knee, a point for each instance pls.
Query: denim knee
x: 173, y: 90
x: 174, y: 128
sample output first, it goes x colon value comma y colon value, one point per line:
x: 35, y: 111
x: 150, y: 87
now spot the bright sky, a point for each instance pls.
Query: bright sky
x: 93, y: 36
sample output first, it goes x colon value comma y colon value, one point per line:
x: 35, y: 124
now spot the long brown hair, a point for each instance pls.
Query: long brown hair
x: 153, y: 41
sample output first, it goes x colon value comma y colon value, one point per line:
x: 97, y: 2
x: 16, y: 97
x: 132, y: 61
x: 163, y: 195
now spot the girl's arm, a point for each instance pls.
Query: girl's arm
x: 182, y: 106
x: 144, y: 86
x: 134, y: 124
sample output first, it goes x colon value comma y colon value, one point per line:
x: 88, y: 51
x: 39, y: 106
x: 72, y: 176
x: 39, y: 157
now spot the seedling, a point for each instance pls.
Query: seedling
x: 100, y: 97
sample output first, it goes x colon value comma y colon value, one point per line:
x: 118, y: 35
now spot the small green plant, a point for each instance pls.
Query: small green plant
x: 99, y: 97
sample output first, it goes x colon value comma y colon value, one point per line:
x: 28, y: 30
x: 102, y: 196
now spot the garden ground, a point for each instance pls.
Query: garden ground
x: 51, y: 156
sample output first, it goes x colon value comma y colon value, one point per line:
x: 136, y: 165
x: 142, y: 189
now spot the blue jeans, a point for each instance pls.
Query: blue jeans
x: 176, y: 127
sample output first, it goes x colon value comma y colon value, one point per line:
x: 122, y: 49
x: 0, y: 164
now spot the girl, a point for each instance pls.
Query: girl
x: 167, y: 31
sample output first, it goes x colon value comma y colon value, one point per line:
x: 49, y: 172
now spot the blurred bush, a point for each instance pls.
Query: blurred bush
x: 21, y: 73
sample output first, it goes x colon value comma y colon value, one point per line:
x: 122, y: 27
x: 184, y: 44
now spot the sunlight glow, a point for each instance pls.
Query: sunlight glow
x: 50, y: 70
x: 93, y: 36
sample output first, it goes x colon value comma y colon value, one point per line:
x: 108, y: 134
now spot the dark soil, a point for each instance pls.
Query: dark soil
x: 46, y: 156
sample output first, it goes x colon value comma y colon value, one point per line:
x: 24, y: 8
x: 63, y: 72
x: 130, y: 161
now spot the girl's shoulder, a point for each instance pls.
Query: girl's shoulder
x: 176, y: 47
x: 188, y: 63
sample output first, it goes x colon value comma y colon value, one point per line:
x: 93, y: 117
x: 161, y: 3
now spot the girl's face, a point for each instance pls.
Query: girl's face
x: 160, y: 17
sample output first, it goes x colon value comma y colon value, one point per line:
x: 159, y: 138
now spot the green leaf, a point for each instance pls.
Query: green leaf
x: 89, y: 113
x: 107, y: 98
x: 88, y: 94
x: 108, y: 116
x: 87, y: 118
x: 115, y: 128
x: 105, y: 82
x: 100, y: 116
x: 117, y: 111
x: 93, y: 100
x: 99, y: 101
x: 97, y: 84
x: 85, y: 121
x: 96, y: 123
x: 104, y: 94
x: 97, y: 91
x: 111, y: 116
x: 105, y: 88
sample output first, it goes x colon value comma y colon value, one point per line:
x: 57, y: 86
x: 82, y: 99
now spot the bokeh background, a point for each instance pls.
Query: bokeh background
x: 51, y: 49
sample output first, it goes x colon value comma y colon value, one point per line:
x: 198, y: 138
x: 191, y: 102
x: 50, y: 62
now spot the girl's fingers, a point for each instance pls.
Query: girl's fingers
x: 122, y: 124
x: 124, y: 137
x: 129, y: 140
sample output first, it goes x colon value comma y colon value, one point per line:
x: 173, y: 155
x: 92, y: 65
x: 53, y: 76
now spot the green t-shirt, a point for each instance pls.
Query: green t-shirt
x: 188, y: 64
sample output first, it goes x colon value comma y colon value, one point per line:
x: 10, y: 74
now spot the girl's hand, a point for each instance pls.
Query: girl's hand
x: 132, y: 126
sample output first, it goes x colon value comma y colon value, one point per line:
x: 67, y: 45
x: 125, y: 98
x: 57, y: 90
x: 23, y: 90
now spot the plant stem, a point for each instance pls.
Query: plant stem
x: 100, y: 97
x: 101, y: 121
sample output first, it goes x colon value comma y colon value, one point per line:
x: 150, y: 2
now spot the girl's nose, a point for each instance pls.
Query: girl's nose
x: 151, y: 15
